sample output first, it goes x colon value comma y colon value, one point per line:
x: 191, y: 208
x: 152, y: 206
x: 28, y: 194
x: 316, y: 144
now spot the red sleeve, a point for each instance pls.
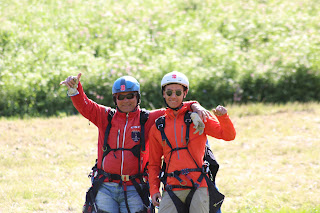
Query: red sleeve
x: 221, y: 129
x: 156, y: 152
x: 88, y: 108
x: 189, y: 104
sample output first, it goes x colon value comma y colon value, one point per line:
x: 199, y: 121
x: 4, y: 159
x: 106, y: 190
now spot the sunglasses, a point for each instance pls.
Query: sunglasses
x: 170, y: 92
x: 128, y: 96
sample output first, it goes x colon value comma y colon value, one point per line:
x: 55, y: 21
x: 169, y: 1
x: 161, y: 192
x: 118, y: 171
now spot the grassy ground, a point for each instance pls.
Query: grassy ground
x: 272, y: 166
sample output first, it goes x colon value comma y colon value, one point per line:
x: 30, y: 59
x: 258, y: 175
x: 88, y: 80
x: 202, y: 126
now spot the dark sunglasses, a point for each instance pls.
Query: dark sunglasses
x: 128, y: 96
x: 170, y: 92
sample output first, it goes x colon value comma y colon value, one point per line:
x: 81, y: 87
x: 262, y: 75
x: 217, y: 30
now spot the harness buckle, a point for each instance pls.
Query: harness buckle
x: 196, y: 185
x: 188, y: 120
x: 125, y: 178
x: 160, y: 126
x: 184, y: 171
x: 161, y: 175
x: 168, y: 187
x: 183, y: 182
x: 205, y: 168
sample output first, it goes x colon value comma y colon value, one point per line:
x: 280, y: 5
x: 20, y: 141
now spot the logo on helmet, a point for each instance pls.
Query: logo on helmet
x: 174, y: 76
x: 123, y: 87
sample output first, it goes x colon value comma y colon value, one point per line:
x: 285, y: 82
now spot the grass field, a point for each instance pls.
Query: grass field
x: 272, y: 166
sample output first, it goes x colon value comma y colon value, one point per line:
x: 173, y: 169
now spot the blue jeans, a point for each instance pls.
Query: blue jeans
x: 110, y: 198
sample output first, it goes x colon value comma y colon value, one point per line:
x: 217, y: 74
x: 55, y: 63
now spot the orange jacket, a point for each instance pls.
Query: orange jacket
x: 124, y: 133
x: 175, y: 130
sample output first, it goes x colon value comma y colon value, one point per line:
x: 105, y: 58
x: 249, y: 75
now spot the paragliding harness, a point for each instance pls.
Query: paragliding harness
x: 98, y: 175
x: 208, y: 171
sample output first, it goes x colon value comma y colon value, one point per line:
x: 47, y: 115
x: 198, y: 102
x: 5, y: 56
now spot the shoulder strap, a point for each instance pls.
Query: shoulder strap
x: 144, y: 115
x: 106, y: 134
x: 160, y: 124
x: 187, y: 120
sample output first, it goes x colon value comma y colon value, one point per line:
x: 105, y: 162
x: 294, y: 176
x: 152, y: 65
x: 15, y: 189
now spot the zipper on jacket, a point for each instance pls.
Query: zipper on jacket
x: 118, y: 138
x: 123, y: 139
x: 182, y: 142
x: 175, y: 135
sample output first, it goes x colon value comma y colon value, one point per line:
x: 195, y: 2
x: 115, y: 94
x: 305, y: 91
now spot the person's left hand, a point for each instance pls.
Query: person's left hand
x: 220, y: 110
x: 201, y: 111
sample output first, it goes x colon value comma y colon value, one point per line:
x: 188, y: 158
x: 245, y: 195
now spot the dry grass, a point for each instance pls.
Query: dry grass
x: 272, y: 166
x: 274, y: 162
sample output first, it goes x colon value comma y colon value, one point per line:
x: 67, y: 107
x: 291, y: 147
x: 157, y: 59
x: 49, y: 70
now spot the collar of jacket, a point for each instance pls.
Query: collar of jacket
x: 182, y: 110
x: 134, y: 113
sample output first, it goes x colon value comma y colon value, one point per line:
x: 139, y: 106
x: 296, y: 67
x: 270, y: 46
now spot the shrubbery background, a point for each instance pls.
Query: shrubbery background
x: 232, y: 51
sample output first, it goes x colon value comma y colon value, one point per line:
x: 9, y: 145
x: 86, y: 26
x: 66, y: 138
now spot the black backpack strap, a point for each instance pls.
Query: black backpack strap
x: 160, y: 124
x: 187, y: 121
x: 106, y: 134
x: 181, y: 208
x: 144, y: 115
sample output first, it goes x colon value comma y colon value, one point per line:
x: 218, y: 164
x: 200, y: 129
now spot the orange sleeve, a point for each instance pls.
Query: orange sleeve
x: 155, y: 154
x: 189, y: 104
x: 221, y: 129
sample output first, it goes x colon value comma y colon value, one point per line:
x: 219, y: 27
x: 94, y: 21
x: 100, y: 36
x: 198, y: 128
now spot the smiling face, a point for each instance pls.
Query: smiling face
x: 171, y: 95
x: 126, y: 105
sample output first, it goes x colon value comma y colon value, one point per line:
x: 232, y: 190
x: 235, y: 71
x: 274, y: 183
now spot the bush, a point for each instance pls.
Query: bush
x: 232, y: 52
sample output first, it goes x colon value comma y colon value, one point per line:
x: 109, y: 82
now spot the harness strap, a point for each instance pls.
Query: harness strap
x: 181, y: 208
x: 178, y: 148
x: 135, y: 150
x: 187, y: 121
x: 142, y: 191
x: 124, y: 185
x: 106, y: 134
x: 160, y: 123
x: 124, y: 178
x: 144, y: 115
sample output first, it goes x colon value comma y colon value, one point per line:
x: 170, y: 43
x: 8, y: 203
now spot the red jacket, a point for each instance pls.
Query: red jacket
x: 123, y: 134
x: 175, y: 130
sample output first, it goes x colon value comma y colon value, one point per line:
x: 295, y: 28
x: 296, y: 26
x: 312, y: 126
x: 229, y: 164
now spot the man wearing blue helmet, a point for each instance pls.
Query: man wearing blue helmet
x: 123, y: 145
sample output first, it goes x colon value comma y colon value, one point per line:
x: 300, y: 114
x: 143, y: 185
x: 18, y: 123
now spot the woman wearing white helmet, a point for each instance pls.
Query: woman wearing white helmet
x: 185, y: 180
x: 176, y: 78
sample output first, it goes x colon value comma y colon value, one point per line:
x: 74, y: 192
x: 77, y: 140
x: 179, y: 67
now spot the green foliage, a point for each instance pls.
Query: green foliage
x: 232, y: 52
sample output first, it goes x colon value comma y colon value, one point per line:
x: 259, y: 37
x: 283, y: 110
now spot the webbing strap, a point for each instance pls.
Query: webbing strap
x: 144, y: 115
x: 181, y: 208
x: 124, y: 185
x: 160, y: 123
x: 135, y: 150
x: 143, y: 191
x: 106, y: 134
x: 187, y: 120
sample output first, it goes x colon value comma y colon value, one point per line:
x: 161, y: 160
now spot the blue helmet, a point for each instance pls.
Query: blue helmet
x: 126, y: 84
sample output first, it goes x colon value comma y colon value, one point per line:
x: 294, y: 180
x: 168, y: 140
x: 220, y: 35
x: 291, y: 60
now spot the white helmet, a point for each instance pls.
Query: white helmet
x: 175, y: 77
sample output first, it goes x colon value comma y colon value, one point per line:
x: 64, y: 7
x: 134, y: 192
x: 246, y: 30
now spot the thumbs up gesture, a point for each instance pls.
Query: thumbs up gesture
x: 72, y: 83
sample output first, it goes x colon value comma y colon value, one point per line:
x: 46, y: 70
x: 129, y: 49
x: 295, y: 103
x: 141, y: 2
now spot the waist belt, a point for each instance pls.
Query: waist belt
x: 124, y: 178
